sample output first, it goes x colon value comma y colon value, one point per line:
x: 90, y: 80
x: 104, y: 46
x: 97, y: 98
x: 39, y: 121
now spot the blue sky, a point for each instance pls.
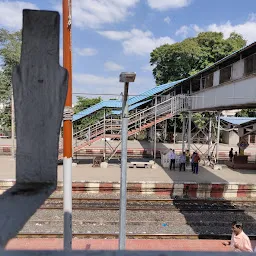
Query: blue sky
x: 111, y: 36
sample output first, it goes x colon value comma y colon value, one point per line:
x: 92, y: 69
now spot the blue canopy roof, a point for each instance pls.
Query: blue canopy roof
x: 238, y: 120
x: 118, y: 112
x: 131, y: 101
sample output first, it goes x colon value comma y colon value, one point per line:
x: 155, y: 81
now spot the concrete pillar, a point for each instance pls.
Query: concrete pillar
x: 39, y: 90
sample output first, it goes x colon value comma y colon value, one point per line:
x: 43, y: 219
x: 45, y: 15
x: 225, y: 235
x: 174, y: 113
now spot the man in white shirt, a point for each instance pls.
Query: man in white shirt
x: 172, y: 156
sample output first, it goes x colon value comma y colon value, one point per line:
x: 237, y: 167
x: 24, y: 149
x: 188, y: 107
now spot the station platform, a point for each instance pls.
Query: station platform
x: 209, y: 183
x: 109, y: 244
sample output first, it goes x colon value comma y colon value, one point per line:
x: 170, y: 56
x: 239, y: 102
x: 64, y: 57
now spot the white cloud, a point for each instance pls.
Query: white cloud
x: 148, y: 67
x: 247, y: 29
x: 182, y: 31
x: 167, y: 4
x: 167, y: 20
x: 101, y: 85
x: 95, y: 13
x: 112, y: 66
x: 137, y: 41
x: 11, y: 13
x: 86, y: 51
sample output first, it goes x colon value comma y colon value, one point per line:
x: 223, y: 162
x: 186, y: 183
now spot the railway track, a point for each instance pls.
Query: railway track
x: 129, y: 236
x: 155, y: 204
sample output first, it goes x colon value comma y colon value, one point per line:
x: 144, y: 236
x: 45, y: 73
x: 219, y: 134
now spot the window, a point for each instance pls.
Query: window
x: 252, y: 138
x: 225, y: 74
x: 250, y: 65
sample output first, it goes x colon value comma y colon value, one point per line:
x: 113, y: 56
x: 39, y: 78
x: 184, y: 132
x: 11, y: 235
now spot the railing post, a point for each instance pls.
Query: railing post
x: 89, y: 131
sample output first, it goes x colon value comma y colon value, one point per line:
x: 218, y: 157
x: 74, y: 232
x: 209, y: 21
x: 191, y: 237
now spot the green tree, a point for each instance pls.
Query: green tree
x: 10, y: 46
x: 182, y: 59
x: 82, y: 104
x: 246, y: 113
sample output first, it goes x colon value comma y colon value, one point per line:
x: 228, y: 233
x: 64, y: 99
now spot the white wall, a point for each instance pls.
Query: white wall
x: 232, y: 94
x: 237, y: 70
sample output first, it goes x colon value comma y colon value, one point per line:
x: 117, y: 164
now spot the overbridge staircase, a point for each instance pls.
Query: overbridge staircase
x: 109, y: 128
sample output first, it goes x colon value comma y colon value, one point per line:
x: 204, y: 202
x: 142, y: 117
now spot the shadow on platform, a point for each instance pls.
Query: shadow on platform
x: 18, y: 204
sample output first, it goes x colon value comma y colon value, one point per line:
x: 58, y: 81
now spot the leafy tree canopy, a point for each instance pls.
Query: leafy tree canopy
x: 182, y: 59
x: 10, y: 46
x: 84, y: 103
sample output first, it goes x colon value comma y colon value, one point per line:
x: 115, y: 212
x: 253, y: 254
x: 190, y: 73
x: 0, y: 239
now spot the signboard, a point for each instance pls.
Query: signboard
x: 242, y: 144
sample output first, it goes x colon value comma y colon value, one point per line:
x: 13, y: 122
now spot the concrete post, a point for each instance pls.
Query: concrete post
x: 39, y: 91
x: 13, y: 127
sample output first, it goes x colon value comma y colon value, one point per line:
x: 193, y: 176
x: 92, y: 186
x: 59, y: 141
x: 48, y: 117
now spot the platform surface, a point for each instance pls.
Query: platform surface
x: 85, y: 172
x: 109, y: 244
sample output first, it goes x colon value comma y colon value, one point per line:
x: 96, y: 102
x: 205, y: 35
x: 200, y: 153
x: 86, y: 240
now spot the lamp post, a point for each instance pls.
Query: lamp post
x: 125, y: 78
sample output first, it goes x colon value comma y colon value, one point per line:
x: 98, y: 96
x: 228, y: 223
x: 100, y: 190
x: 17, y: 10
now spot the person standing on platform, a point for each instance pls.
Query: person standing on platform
x: 240, y: 242
x: 195, y: 160
x: 191, y: 161
x: 231, y: 155
x: 172, y: 159
x: 183, y: 161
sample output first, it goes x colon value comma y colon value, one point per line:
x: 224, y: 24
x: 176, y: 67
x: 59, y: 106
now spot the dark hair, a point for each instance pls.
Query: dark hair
x: 238, y: 224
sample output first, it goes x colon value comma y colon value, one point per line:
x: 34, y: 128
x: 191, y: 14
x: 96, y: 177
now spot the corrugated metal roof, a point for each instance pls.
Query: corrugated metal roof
x: 155, y: 90
x: 238, y: 120
x: 118, y: 112
x: 100, y: 105
x: 131, y: 101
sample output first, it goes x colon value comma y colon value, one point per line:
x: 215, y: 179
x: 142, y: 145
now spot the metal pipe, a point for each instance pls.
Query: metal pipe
x: 13, y: 128
x: 67, y: 129
x: 155, y: 128
x: 124, y: 136
x: 218, y: 138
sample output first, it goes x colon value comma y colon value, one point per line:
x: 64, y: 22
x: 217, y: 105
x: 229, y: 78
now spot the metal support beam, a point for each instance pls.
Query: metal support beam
x: 183, y: 132
x: 155, y: 128
x: 218, y: 138
x: 189, y: 129
x: 210, y: 137
x: 174, y: 133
